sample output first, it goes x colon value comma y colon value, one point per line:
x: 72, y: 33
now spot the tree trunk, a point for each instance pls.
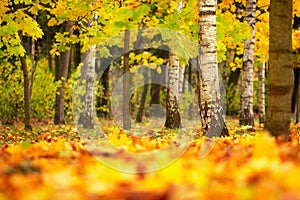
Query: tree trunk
x: 88, y: 121
x: 139, y: 115
x: 48, y: 49
x: 27, y: 119
x: 126, y: 84
x: 180, y: 82
x: 155, y: 88
x: 77, y: 51
x: 261, y: 93
x: 212, y: 113
x: 280, y: 81
x: 63, y: 75
x: 103, y: 99
x: 173, y: 120
x: 246, y: 100
x: 32, y: 57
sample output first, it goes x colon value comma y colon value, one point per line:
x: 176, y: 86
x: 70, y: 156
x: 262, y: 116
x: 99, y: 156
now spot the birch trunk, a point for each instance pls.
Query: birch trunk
x: 90, y: 88
x: 261, y: 93
x: 246, y: 100
x: 280, y: 81
x: 212, y: 113
x: 173, y: 120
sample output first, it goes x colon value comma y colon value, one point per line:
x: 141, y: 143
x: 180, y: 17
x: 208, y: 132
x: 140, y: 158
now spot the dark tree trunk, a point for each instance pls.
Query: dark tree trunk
x: 48, y: 48
x: 103, y: 100
x: 27, y: 119
x: 295, y: 90
x: 63, y: 75
x: 234, y: 77
x: 32, y: 57
x: 139, y: 115
x: 77, y: 53
x: 261, y: 93
x: 126, y: 84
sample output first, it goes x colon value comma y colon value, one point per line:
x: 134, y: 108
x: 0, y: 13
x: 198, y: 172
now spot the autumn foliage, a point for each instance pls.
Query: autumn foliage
x: 52, y: 163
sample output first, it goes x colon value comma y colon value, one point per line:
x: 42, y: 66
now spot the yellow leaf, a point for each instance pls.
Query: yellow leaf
x: 52, y: 22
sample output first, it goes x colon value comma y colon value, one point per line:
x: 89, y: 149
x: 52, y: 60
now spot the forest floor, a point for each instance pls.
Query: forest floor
x: 52, y: 163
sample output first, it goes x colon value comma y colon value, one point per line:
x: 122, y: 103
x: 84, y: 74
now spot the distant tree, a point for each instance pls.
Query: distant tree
x: 280, y: 74
x: 261, y: 93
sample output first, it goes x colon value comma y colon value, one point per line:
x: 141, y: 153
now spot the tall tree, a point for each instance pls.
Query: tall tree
x: 88, y: 121
x: 280, y: 81
x: 246, y: 100
x: 212, y: 113
x: 139, y: 115
x: 261, y: 92
x: 126, y: 83
x: 173, y: 120
x: 62, y: 72
x: 27, y: 109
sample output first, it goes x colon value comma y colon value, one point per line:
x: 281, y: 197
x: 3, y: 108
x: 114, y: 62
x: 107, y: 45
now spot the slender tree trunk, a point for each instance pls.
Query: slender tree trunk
x: 155, y: 88
x: 180, y: 82
x: 173, y: 120
x: 103, y: 99
x: 139, y: 115
x: 212, y: 113
x: 280, y: 81
x: 48, y: 49
x: 126, y: 84
x: 297, y: 106
x: 27, y: 119
x: 32, y: 57
x: 63, y: 75
x: 77, y: 52
x: 295, y: 94
x: 90, y: 88
x: 246, y: 100
x: 261, y: 93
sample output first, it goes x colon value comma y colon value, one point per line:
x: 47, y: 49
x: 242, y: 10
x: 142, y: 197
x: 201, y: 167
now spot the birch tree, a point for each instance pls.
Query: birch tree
x: 246, y: 100
x: 211, y: 110
x: 173, y: 116
x: 175, y: 83
x: 280, y: 74
x: 88, y: 121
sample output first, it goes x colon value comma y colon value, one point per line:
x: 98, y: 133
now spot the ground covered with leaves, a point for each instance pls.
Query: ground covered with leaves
x: 52, y: 163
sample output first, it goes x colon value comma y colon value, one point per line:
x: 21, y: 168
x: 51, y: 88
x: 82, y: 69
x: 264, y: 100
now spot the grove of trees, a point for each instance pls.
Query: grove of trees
x: 242, y: 43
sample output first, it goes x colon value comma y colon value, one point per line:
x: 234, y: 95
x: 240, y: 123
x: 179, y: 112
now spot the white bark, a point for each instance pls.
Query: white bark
x: 90, y: 83
x: 212, y: 114
x: 246, y: 100
x: 173, y: 117
x: 90, y: 88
